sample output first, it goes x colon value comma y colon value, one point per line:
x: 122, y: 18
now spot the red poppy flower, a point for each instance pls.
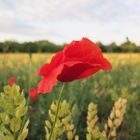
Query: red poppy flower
x: 11, y: 80
x: 77, y: 60
x: 33, y: 93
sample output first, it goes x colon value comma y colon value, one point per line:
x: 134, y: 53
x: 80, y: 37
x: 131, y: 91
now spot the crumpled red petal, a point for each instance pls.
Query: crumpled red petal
x: 49, y: 81
x: 78, y: 60
x: 47, y: 69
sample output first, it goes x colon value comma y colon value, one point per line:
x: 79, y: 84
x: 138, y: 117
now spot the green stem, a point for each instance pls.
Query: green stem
x: 56, y: 115
x: 30, y: 70
x: 28, y: 98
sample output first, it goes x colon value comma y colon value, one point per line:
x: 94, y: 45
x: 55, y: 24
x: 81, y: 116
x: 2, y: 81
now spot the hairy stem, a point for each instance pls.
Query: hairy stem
x: 56, y: 115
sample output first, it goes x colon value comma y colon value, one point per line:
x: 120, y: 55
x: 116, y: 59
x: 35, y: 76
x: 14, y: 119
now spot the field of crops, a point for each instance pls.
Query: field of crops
x: 103, y: 88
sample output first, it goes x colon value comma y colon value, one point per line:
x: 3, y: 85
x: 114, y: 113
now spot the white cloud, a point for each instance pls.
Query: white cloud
x: 61, y: 20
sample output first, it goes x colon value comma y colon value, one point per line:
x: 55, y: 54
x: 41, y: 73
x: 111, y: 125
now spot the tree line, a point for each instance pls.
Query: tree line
x: 47, y: 46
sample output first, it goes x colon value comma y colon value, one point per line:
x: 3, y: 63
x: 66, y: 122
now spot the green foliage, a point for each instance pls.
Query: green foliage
x: 37, y: 46
x: 47, y: 46
x: 24, y: 132
x: 115, y: 119
x: 93, y: 132
x: 103, y: 88
x: 65, y: 129
x: 64, y: 123
x: 13, y: 108
x: 126, y: 46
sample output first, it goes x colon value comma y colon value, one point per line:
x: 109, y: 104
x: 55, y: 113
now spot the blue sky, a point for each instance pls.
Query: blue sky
x: 63, y: 21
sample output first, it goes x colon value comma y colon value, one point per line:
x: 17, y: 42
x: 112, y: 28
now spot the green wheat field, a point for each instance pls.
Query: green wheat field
x: 103, y: 89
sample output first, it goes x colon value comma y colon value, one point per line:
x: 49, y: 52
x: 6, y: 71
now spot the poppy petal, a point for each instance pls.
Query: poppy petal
x: 77, y: 71
x: 33, y: 93
x: 84, y: 50
x: 47, y: 69
x: 49, y: 81
x: 11, y: 80
x: 106, y: 65
x: 77, y: 60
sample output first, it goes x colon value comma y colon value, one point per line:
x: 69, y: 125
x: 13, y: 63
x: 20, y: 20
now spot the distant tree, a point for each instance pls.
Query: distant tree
x: 113, y: 47
x: 128, y: 46
x: 5, y: 46
x: 102, y: 46
x: 1, y: 47
x: 47, y: 46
